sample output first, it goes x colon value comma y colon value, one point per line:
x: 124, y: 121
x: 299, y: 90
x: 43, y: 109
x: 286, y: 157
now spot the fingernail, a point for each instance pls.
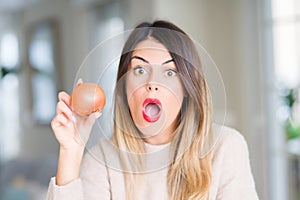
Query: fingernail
x: 98, y: 114
x: 73, y: 118
x: 69, y: 124
x: 64, y: 120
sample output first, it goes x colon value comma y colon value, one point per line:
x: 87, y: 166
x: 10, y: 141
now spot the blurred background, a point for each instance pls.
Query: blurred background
x: 254, y: 43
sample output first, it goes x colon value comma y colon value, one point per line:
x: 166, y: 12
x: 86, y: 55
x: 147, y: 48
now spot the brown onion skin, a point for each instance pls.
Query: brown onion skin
x: 87, y: 98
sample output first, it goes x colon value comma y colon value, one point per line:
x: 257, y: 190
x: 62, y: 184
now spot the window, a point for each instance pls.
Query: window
x: 286, y: 40
x: 9, y: 101
x: 286, y: 33
x: 44, y: 77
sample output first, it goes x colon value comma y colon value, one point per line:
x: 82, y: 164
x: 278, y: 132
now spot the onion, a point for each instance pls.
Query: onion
x: 87, y: 98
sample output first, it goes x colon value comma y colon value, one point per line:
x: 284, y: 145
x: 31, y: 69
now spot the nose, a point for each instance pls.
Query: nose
x: 153, y: 80
x: 152, y: 87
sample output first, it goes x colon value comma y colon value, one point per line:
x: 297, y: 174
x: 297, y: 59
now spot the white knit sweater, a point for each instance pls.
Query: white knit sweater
x: 231, y: 175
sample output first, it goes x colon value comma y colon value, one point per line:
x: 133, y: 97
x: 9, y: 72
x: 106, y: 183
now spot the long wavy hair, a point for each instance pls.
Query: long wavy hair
x: 189, y: 173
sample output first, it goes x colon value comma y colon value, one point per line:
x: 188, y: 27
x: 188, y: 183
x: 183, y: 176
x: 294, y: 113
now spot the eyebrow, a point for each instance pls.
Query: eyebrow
x: 166, y: 62
x: 146, y: 61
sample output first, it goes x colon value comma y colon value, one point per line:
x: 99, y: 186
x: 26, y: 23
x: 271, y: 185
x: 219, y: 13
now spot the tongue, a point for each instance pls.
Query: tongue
x: 152, y: 110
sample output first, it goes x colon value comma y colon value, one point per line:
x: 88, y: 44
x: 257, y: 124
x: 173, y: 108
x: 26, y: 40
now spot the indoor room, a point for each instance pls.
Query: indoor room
x: 248, y: 50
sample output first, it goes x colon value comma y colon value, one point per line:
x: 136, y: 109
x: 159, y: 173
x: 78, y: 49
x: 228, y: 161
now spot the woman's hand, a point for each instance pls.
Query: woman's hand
x: 70, y: 129
x: 72, y: 132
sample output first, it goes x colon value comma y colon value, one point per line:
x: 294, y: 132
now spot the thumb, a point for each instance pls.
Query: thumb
x: 92, y: 118
x: 80, y: 81
x: 85, y: 130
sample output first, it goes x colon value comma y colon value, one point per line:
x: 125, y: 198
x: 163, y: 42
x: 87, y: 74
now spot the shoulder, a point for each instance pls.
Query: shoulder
x: 231, y: 170
x: 228, y: 141
x: 93, y: 165
x: 98, y: 151
x: 93, y: 158
x: 103, y: 154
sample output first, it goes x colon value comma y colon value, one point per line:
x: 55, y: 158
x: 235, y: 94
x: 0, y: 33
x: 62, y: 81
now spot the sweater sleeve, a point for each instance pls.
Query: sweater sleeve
x: 236, y: 180
x: 72, y: 190
x: 93, y: 182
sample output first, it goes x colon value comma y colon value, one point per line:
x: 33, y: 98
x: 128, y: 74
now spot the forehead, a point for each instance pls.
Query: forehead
x: 152, y: 51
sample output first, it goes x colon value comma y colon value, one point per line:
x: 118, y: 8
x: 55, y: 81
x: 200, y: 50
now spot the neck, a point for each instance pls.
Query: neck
x: 163, y: 137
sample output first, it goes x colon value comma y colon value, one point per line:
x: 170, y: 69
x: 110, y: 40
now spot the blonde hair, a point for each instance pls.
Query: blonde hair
x: 189, y: 173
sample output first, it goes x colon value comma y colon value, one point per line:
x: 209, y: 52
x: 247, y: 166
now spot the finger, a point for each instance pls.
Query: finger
x: 57, y: 122
x: 79, y: 81
x: 54, y: 122
x: 63, y: 120
x: 97, y: 114
x: 62, y: 107
x: 65, y: 97
x: 92, y: 118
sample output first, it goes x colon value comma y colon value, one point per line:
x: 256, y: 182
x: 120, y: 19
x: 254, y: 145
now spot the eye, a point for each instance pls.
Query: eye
x: 139, y: 70
x: 170, y: 72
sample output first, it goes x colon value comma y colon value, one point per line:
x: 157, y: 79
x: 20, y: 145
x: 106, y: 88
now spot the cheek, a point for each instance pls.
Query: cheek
x: 176, y: 91
x: 134, y: 96
x: 173, y: 104
x: 132, y: 87
x: 174, y: 99
x: 133, y: 101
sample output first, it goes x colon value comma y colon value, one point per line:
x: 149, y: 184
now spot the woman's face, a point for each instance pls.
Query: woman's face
x: 154, y: 91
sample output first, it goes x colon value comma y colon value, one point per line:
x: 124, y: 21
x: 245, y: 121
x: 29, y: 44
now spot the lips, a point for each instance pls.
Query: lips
x: 151, y: 110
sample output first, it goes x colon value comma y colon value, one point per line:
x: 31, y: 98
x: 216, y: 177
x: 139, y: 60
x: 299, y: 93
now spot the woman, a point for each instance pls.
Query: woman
x: 163, y: 144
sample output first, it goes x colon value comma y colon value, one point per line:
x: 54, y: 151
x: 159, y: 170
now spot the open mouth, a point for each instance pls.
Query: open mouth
x: 151, y: 110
